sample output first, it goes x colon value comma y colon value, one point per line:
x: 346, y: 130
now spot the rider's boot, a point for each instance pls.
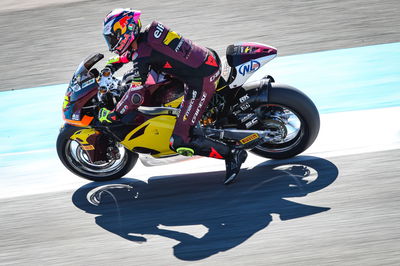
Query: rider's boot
x: 237, y: 157
x: 209, y: 148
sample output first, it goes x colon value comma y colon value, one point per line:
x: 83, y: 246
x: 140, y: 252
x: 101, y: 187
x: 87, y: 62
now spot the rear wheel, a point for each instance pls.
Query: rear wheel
x: 77, y: 161
x: 292, y: 121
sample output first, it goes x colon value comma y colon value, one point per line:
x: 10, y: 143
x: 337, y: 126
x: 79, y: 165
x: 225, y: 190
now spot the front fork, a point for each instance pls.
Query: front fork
x: 93, y: 142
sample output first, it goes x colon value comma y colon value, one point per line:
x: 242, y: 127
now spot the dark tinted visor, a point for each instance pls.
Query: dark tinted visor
x: 111, y: 40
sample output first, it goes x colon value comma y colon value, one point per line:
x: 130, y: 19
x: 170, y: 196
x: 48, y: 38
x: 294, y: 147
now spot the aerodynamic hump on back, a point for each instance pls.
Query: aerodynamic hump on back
x: 240, y: 53
x: 247, y: 58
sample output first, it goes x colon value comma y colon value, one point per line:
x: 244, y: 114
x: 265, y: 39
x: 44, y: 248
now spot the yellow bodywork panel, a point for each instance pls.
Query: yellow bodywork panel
x: 153, y: 134
x: 82, y: 135
x: 66, y: 102
x: 175, y: 103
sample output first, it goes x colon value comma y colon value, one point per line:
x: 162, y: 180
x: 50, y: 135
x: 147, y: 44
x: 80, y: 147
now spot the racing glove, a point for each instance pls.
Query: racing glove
x: 106, y: 116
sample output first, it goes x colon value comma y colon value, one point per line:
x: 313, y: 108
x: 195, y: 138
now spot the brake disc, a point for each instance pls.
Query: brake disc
x: 277, y: 130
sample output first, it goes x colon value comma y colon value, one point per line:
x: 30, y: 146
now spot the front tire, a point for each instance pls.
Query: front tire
x: 294, y: 117
x: 75, y: 159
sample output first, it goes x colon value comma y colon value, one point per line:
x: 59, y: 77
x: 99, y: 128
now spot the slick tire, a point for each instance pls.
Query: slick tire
x: 74, y: 159
x: 292, y: 99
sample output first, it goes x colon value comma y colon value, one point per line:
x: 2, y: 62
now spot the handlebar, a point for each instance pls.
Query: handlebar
x: 108, y: 84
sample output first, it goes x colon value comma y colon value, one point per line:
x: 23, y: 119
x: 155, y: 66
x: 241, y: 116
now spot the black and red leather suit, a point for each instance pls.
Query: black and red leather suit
x: 164, y: 50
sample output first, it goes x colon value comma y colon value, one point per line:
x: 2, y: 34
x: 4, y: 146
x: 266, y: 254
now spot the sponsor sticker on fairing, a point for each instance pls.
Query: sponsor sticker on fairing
x: 244, y: 98
x: 249, y: 67
x: 88, y: 83
x: 244, y: 106
x: 249, y: 138
x: 87, y: 147
x: 247, y: 117
x: 252, y: 122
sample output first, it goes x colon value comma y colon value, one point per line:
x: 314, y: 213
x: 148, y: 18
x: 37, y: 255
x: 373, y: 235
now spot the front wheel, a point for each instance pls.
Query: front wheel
x: 76, y: 160
x: 292, y: 120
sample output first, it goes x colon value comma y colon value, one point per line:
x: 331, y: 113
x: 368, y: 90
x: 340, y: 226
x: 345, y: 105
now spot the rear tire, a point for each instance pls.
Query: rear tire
x: 73, y: 158
x: 297, y: 104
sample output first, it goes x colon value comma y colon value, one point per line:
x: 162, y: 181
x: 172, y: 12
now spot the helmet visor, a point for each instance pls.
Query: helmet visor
x: 112, y: 41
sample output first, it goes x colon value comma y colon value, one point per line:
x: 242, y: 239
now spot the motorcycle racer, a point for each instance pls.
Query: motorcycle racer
x: 159, y: 48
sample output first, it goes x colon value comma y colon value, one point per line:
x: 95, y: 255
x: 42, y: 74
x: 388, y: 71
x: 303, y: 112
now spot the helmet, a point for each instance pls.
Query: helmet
x: 121, y: 27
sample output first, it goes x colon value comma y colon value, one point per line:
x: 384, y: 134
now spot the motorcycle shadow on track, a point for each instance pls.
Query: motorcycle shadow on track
x: 133, y: 209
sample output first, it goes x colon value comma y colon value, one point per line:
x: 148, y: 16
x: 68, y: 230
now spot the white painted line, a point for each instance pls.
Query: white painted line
x: 341, y: 134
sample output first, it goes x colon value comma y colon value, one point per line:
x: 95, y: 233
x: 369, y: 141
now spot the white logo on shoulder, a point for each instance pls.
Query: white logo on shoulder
x: 159, y: 30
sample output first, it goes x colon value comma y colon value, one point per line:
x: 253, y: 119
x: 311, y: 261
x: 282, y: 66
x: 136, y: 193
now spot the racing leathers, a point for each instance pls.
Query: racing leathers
x: 166, y: 51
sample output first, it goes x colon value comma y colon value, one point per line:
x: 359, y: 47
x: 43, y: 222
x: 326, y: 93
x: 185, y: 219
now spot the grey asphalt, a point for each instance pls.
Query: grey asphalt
x: 349, y: 215
x: 43, y: 46
x: 310, y: 211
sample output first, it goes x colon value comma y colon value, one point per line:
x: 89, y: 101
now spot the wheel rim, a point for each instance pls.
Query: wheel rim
x: 286, y: 127
x: 79, y: 160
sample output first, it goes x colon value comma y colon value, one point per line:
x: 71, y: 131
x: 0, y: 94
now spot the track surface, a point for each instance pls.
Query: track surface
x: 351, y: 219
x: 265, y: 219
x: 44, y: 45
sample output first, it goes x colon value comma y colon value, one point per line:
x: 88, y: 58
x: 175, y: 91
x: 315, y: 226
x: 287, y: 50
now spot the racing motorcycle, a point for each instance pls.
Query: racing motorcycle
x: 272, y: 120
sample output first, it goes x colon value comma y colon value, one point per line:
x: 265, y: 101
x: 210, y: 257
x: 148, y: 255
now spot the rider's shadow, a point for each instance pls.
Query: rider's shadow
x: 133, y: 209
